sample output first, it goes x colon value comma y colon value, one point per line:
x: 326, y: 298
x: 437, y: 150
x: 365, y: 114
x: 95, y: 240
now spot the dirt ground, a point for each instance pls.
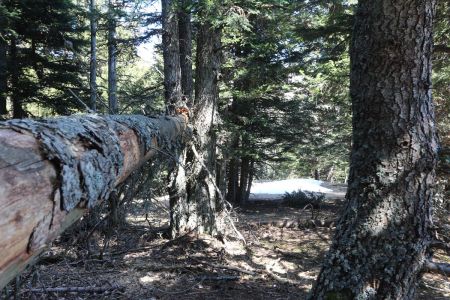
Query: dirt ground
x: 137, y: 261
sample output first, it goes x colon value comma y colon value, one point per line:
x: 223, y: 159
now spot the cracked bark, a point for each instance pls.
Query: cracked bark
x: 52, y: 170
x: 381, y: 241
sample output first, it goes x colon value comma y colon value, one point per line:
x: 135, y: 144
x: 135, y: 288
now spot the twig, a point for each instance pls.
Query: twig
x: 77, y: 289
x: 80, y: 101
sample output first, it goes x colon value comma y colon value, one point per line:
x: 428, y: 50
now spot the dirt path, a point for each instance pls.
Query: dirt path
x: 140, y: 263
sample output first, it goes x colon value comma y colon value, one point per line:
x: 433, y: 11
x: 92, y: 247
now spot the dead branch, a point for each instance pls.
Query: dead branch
x: 78, y: 289
x: 296, y: 223
x: 232, y: 268
x: 279, y: 278
x: 218, y: 278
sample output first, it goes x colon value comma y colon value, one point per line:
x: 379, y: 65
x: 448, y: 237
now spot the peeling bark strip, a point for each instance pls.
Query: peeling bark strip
x: 381, y: 241
x: 50, y: 170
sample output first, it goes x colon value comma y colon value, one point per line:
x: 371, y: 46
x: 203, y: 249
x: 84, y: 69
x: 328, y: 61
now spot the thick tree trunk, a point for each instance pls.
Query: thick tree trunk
x: 112, y: 63
x: 185, y: 40
x: 3, y: 76
x: 171, y: 52
x: 52, y: 170
x: 381, y: 240
x: 93, y: 61
x: 199, y: 211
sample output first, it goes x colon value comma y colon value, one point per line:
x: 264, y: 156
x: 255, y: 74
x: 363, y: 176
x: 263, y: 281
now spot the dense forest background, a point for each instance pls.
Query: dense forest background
x: 284, y: 105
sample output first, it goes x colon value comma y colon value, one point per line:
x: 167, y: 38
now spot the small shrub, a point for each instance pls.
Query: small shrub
x: 302, y: 198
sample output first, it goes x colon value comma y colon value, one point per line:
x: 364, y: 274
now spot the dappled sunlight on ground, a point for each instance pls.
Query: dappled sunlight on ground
x: 141, y: 263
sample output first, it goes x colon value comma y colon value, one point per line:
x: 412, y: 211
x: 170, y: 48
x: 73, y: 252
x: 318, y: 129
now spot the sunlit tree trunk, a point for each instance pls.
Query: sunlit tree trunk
x: 381, y: 240
x: 185, y: 40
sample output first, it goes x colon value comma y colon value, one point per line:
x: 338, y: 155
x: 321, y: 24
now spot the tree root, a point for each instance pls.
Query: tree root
x: 436, y: 244
x: 439, y: 268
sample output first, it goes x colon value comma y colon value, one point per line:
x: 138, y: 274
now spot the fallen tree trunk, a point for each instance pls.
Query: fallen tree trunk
x: 53, y: 170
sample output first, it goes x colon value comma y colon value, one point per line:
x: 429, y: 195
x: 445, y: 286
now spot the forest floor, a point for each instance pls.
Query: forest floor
x: 137, y: 261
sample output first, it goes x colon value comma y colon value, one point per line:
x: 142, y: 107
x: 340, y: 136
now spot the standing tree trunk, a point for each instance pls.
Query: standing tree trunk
x: 185, y: 40
x: 233, y: 172
x: 382, y: 238
x: 112, y: 53
x: 113, y: 201
x: 18, y: 111
x: 172, y: 94
x: 93, y: 62
x: 3, y: 76
x: 199, y: 212
x: 171, y: 52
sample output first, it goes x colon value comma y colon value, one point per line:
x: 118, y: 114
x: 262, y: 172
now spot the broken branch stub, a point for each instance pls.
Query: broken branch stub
x: 51, y: 170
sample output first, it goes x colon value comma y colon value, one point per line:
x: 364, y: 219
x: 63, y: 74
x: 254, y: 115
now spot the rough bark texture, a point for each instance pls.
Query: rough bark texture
x: 93, y: 62
x: 112, y: 64
x: 381, y: 240
x: 171, y: 52
x: 185, y: 40
x: 199, y: 211
x: 52, y: 170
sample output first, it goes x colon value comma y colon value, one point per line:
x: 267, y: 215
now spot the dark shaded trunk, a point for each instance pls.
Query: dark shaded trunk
x: 17, y: 105
x: 249, y: 182
x: 381, y: 240
x: 112, y: 60
x: 93, y: 60
x: 3, y: 76
x: 233, y: 173
x: 199, y: 211
x: 185, y: 40
x: 243, y: 180
x: 171, y: 52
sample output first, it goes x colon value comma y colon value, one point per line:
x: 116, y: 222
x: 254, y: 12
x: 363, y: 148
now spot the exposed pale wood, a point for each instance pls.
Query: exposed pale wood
x: 30, y: 204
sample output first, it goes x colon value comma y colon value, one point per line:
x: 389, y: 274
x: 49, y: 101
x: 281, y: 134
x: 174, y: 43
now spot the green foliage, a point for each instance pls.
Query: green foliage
x: 47, y: 36
x: 286, y: 96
